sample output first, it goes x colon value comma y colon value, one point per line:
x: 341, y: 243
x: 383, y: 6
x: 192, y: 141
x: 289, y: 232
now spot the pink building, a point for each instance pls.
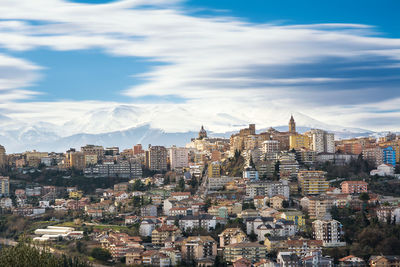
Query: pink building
x: 351, y: 187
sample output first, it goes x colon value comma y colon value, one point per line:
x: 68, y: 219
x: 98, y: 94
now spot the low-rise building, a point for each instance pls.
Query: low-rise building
x: 383, y: 170
x: 383, y: 261
x: 351, y: 261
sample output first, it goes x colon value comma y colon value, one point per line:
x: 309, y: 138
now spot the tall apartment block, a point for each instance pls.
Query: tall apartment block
x: 4, y: 185
x: 178, y: 157
x: 321, y: 141
x: 156, y: 158
x: 312, y: 182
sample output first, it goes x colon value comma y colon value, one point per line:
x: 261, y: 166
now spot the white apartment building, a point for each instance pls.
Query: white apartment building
x: 322, y: 141
x: 268, y: 188
x: 217, y: 183
x: 178, y: 157
x: 270, y: 146
x: 329, y: 231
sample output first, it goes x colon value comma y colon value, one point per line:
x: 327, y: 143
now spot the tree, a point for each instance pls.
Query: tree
x: 285, y: 204
x: 253, y: 236
x: 181, y: 185
x: 26, y: 255
x: 276, y: 171
x: 101, y: 254
x: 219, y: 262
x: 139, y: 186
x: 364, y: 197
x: 251, y: 163
x: 80, y: 247
x: 208, y: 203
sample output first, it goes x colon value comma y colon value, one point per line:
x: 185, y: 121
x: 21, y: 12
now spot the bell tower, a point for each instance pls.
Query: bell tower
x: 292, y: 125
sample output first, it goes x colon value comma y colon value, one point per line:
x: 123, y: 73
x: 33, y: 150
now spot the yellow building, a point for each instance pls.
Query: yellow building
x: 4, y: 186
x: 75, y: 160
x: 312, y: 182
x: 33, y: 158
x: 214, y: 169
x: 299, y: 141
x: 295, y: 216
x: 75, y: 194
x: 90, y: 159
x: 3, y: 156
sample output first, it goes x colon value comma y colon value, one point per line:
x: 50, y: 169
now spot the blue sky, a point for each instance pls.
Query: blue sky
x: 74, y: 75
x: 382, y: 14
x: 336, y: 61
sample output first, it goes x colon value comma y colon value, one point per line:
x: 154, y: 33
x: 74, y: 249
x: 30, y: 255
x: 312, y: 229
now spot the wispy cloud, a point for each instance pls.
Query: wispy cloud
x: 225, y: 64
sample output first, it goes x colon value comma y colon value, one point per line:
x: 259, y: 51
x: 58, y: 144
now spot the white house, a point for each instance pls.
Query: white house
x: 383, y: 170
x: 146, y: 227
x: 6, y: 203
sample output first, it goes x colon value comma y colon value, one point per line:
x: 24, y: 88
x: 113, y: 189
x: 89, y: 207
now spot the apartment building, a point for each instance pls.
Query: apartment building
x: 321, y: 141
x: 354, y: 187
x: 178, y: 157
x: 199, y: 247
x: 303, y: 247
x: 329, y: 231
x: 156, y: 158
x: 270, y: 146
x: 253, y: 252
x: 268, y: 188
x: 214, y: 169
x: 231, y: 236
x: 160, y: 234
x: 93, y: 150
x: 3, y: 156
x: 4, y: 186
x: 312, y: 182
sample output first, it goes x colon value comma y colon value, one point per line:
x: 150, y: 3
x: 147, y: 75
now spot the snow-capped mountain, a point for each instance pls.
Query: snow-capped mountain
x: 126, y: 125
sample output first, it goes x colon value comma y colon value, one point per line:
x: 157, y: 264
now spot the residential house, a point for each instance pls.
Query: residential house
x: 384, y: 261
x: 351, y: 261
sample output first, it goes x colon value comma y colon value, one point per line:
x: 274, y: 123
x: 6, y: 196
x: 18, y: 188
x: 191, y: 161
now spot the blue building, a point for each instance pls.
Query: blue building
x: 251, y: 173
x: 389, y: 156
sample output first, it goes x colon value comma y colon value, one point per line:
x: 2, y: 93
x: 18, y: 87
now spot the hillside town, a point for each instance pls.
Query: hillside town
x: 260, y: 198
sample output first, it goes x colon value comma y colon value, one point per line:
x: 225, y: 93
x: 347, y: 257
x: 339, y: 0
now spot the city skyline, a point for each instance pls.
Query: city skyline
x: 66, y: 63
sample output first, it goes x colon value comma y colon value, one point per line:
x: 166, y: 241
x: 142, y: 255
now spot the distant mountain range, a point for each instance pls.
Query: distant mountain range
x: 111, y: 130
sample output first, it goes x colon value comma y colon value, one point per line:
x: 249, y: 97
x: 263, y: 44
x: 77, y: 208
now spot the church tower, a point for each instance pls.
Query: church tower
x: 202, y: 133
x: 292, y: 125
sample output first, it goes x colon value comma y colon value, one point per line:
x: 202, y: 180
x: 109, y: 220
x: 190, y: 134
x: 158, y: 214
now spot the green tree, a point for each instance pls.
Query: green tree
x: 364, y: 197
x: 101, y: 254
x: 253, y: 236
x: 27, y: 255
x: 181, y: 185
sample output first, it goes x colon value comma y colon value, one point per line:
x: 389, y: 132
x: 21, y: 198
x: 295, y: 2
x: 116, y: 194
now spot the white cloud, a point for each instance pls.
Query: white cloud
x: 215, y: 63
